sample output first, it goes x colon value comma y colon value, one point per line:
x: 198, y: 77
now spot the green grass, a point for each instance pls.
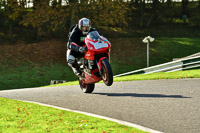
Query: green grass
x: 176, y: 47
x: 152, y: 76
x: 132, y: 55
x: 22, y: 117
x: 16, y: 116
x: 166, y: 49
x: 161, y: 75
x: 33, y: 76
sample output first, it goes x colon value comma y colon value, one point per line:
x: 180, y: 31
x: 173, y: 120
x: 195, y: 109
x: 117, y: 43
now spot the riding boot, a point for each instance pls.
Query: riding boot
x: 76, y: 71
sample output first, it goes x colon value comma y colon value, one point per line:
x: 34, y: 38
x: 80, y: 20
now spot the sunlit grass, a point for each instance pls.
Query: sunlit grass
x: 27, y: 76
x: 17, y: 117
x: 161, y: 75
x: 153, y: 76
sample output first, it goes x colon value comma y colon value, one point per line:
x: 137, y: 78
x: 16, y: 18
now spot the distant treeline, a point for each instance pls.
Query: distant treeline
x: 33, y: 19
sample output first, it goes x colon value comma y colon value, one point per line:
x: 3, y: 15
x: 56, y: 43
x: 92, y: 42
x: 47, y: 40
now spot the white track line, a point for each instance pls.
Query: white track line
x: 99, y: 116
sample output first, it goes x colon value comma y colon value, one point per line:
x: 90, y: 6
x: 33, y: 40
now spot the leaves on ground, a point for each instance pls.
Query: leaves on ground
x: 20, y: 116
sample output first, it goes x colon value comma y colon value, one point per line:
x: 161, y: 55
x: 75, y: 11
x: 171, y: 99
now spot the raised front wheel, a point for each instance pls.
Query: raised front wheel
x: 86, y: 88
x: 107, y: 74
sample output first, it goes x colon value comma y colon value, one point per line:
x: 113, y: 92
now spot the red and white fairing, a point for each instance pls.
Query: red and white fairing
x: 96, y: 44
x: 97, y: 66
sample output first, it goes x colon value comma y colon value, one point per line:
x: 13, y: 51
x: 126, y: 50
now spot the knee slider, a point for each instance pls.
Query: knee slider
x: 70, y: 62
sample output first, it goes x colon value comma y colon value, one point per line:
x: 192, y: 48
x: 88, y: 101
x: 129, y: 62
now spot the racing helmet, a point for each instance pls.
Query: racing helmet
x: 84, y: 25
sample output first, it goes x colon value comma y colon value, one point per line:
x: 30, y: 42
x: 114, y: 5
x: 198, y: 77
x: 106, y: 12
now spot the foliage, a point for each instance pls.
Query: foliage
x: 14, y: 10
x: 46, y: 18
x: 103, y: 13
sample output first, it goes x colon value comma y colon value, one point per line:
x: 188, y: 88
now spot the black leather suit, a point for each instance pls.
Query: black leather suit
x: 75, y: 36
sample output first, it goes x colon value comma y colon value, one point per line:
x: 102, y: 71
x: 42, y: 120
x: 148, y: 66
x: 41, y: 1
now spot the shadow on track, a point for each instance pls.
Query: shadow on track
x: 141, y: 95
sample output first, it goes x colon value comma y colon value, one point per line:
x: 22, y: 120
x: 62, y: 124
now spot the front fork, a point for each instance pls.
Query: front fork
x: 109, y: 50
x: 99, y: 64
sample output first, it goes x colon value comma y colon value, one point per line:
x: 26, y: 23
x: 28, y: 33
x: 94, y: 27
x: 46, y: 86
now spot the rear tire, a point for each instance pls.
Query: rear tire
x: 107, y: 74
x: 86, y: 88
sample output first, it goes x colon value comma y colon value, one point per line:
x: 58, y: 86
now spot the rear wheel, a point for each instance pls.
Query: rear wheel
x: 86, y: 88
x: 107, y: 74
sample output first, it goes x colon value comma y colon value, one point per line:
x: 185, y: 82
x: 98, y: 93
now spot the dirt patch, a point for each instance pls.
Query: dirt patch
x: 54, y: 51
x: 49, y: 51
x: 126, y: 48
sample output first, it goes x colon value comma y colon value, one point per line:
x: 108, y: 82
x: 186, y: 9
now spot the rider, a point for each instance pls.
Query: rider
x: 75, y: 44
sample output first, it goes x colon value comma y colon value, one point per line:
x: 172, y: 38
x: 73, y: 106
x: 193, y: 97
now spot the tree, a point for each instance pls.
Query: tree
x: 103, y: 13
x: 46, y: 18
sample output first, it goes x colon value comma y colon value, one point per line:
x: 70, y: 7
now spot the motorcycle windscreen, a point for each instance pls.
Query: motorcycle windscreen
x: 94, y: 35
x: 97, y: 41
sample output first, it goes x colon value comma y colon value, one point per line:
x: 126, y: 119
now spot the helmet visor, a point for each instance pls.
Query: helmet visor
x: 85, y: 28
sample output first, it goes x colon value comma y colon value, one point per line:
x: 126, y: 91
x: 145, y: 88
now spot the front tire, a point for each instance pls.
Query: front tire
x: 107, y: 74
x: 86, y: 88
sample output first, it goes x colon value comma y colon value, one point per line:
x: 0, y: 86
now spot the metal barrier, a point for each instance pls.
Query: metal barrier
x: 178, y: 65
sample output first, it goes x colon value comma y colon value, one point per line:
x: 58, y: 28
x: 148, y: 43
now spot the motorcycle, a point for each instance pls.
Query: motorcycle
x: 95, y: 64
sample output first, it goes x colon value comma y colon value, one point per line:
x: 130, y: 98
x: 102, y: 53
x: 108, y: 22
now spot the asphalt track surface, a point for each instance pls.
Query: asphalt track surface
x: 170, y: 106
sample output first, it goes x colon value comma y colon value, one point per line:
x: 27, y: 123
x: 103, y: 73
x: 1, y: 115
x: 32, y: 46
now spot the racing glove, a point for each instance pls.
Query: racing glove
x: 77, y: 48
x: 82, y: 49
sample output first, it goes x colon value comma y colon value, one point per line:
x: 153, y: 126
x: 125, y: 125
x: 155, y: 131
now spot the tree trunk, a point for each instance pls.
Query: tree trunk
x: 136, y: 3
x: 73, y: 1
x: 10, y: 29
x: 149, y: 21
x: 35, y: 3
x: 22, y: 3
x: 155, y: 8
x: 199, y: 4
x: 184, y: 7
x: 169, y: 2
x: 142, y: 4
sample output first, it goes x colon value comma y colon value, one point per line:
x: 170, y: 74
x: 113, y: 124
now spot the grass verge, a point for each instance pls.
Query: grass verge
x: 17, y: 116
x: 161, y: 75
x: 152, y: 76
x: 33, y: 76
